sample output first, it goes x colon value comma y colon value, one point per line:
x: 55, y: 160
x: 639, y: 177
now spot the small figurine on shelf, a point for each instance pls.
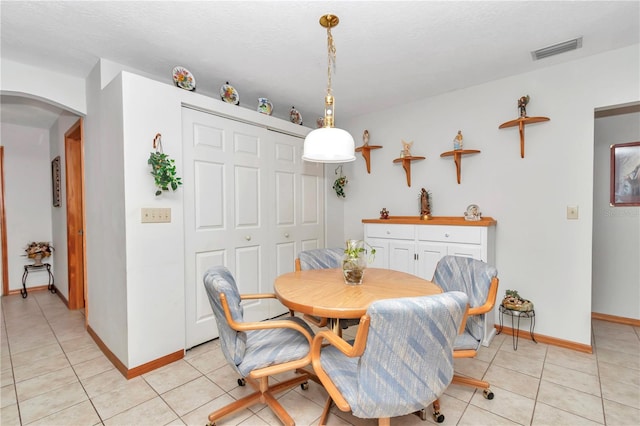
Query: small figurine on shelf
x: 406, y: 149
x: 457, y: 141
x: 522, y: 105
x: 365, y: 138
x: 473, y: 213
x: 320, y: 122
x: 384, y: 213
x: 425, y: 205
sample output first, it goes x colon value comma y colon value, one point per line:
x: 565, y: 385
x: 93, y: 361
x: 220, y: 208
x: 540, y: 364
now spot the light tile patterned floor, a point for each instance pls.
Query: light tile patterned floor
x: 54, y: 374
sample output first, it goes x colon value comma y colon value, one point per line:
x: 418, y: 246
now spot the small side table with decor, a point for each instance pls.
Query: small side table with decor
x: 28, y: 268
x: 38, y: 251
x: 516, y: 307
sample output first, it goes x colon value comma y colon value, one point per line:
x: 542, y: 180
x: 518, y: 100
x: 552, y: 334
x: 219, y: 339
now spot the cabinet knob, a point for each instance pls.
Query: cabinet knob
x: 286, y: 235
x: 388, y: 232
x: 446, y: 235
x: 248, y: 238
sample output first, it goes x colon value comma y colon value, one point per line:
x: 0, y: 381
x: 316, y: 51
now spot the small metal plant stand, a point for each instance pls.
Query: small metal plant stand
x: 27, y: 268
x: 516, y: 329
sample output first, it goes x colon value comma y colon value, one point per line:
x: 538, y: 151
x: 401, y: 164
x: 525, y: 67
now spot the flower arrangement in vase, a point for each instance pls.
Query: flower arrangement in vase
x: 38, y: 251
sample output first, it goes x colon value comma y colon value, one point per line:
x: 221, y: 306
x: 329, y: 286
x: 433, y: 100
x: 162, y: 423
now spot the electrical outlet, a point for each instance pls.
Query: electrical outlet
x: 572, y: 212
x: 156, y: 215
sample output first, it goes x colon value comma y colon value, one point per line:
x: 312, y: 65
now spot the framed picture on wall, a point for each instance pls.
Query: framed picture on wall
x: 55, y: 181
x: 625, y: 174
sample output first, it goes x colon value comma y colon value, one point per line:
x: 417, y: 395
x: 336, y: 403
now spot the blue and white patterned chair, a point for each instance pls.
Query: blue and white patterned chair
x: 479, y: 281
x: 256, y: 350
x: 401, y: 359
x: 324, y: 258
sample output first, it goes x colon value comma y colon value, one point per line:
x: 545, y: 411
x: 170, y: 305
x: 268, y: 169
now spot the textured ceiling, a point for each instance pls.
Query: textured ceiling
x: 387, y: 52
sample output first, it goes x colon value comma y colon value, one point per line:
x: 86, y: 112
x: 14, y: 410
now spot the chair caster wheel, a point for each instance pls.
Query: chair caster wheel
x: 241, y: 382
x: 487, y: 393
x: 438, y: 417
x: 422, y: 414
x: 304, y: 386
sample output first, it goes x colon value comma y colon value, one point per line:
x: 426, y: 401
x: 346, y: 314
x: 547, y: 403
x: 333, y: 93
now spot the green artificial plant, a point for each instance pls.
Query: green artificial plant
x: 163, y: 169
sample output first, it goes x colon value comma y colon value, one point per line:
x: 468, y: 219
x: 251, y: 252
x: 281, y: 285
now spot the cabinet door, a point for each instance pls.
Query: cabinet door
x: 381, y: 258
x: 402, y: 256
x: 226, y: 183
x: 428, y: 256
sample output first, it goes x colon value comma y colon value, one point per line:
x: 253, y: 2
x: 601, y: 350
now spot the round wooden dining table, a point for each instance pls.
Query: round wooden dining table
x: 323, y: 292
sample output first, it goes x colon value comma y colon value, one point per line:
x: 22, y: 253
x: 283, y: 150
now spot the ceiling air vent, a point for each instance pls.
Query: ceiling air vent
x: 557, y: 49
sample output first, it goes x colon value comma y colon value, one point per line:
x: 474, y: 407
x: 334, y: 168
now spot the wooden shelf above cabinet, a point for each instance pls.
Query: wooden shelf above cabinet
x: 406, y: 165
x: 457, y: 158
x: 521, y: 122
x: 366, y: 153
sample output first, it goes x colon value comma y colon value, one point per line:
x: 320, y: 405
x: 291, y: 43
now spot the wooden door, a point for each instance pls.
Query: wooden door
x: 74, y: 170
x: 226, y: 196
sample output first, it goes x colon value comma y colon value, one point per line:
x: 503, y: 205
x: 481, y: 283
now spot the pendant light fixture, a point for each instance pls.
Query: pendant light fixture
x: 328, y: 144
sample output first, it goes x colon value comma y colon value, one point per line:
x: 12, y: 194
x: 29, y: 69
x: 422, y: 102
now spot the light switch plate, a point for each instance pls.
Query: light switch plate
x: 156, y: 215
x: 572, y: 212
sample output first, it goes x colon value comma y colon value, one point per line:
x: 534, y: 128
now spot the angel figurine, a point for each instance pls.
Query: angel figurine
x: 406, y: 148
x: 365, y: 138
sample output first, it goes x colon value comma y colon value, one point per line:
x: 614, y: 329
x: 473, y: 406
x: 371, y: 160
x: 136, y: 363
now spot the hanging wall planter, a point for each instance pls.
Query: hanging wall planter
x: 339, y: 183
x: 163, y: 168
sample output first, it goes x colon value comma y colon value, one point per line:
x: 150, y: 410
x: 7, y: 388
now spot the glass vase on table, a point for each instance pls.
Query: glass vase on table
x: 354, y: 262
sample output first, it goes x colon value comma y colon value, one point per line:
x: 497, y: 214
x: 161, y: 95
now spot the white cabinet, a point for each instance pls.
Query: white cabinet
x: 415, y: 246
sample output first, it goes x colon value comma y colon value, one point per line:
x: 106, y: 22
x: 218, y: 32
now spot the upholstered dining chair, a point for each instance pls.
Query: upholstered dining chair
x: 256, y: 350
x: 479, y: 281
x: 401, y: 359
x: 324, y: 258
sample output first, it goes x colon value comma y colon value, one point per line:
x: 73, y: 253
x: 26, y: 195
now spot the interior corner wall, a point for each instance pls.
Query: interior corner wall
x: 616, y: 230
x: 539, y: 252
x: 27, y: 174
x: 104, y: 214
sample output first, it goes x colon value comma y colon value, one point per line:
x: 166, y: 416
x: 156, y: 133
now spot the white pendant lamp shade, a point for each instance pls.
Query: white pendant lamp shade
x: 329, y: 145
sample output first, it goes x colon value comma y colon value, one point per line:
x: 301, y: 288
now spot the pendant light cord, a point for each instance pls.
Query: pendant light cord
x: 331, y: 58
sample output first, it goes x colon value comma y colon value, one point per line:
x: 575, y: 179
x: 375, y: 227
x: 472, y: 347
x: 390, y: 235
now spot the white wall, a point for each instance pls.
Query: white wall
x: 27, y: 168
x: 61, y: 90
x: 616, y: 230
x: 540, y: 253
